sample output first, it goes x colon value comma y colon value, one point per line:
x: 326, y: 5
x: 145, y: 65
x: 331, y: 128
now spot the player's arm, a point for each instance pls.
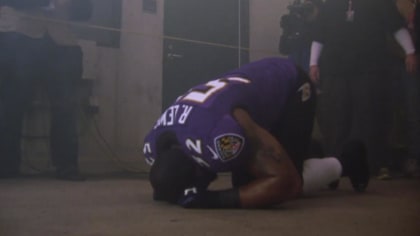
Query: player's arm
x: 276, y: 178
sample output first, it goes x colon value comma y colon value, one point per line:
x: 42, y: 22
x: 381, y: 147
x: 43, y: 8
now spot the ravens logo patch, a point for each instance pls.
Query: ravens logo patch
x: 229, y: 146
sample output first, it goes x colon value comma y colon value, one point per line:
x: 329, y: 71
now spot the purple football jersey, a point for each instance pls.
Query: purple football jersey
x: 201, y: 118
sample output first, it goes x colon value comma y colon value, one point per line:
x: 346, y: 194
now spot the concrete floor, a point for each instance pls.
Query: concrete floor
x: 121, y: 205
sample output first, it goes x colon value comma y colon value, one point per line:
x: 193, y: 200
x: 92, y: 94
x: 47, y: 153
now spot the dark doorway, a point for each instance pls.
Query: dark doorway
x: 202, y: 40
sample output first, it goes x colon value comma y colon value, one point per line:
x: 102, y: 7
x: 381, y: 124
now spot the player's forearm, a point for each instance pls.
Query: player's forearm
x: 218, y: 199
x: 269, y: 191
x: 260, y: 193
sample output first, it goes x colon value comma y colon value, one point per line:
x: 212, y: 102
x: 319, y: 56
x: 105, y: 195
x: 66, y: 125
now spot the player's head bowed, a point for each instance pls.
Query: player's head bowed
x: 170, y: 174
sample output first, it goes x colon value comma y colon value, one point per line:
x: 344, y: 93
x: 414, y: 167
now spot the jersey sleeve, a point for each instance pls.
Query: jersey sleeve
x: 149, y: 148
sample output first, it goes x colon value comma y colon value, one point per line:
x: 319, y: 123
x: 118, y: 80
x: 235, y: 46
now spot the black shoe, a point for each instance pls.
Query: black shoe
x: 70, y: 175
x: 355, y: 165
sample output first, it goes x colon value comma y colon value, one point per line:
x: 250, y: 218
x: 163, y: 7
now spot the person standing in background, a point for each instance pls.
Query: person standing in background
x: 407, y: 99
x: 351, y: 35
x: 297, y: 35
x: 37, y: 48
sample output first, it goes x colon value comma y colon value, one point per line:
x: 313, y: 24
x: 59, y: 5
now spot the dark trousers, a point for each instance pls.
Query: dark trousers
x: 357, y: 106
x: 294, y: 130
x: 407, y: 109
x: 301, y: 57
x: 24, y: 63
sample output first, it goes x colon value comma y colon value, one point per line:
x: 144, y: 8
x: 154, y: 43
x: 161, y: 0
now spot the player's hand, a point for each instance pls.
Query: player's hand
x: 192, y: 198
